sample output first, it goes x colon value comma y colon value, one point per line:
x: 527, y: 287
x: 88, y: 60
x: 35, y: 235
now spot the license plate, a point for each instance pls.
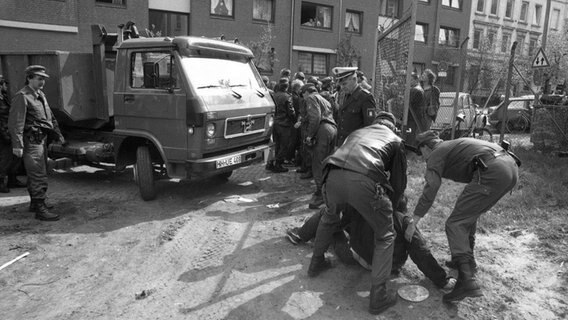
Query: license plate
x: 228, y: 162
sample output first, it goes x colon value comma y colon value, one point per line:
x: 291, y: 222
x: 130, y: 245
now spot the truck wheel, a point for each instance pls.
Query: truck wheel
x: 144, y: 173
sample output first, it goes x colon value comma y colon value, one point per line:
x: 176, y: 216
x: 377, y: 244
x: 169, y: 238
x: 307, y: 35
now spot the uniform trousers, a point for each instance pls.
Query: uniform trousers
x: 35, y: 162
x: 478, y: 196
x: 348, y: 187
x: 326, y: 137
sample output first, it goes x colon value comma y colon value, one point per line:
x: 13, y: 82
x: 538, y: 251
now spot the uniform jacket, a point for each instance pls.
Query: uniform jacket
x: 28, y: 113
x: 356, y: 111
x: 284, y: 115
x: 318, y: 110
x: 373, y: 151
x: 4, y: 112
x: 452, y: 159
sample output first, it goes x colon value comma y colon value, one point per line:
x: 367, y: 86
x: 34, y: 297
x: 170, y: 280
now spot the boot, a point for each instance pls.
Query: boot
x: 4, y: 185
x: 454, y: 265
x: 42, y: 213
x: 278, y: 168
x: 318, y: 265
x: 269, y: 165
x: 466, y: 286
x: 33, y: 205
x: 317, y: 200
x: 380, y: 300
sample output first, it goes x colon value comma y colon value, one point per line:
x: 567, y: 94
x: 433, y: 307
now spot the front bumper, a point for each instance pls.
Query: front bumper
x: 226, y: 162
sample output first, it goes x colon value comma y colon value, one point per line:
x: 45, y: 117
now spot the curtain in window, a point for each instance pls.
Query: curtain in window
x: 262, y: 10
x: 352, y: 23
x: 323, y: 17
x: 305, y: 62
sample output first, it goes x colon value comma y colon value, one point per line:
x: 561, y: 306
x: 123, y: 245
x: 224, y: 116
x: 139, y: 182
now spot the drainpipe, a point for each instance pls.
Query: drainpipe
x: 291, y: 33
x: 546, y: 19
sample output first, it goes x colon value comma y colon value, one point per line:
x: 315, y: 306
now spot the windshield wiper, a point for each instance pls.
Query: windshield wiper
x: 209, y: 86
x: 237, y: 85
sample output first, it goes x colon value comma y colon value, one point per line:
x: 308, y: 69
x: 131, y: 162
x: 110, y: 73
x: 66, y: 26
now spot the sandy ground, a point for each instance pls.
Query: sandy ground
x: 205, y: 250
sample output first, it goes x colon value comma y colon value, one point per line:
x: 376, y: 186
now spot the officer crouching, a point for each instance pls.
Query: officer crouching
x: 32, y: 127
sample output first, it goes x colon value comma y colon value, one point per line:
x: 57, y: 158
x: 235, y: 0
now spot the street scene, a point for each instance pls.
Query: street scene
x: 292, y: 160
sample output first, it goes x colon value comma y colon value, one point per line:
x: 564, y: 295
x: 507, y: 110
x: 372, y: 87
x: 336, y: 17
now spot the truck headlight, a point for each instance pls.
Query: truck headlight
x: 210, y: 130
x: 271, y: 121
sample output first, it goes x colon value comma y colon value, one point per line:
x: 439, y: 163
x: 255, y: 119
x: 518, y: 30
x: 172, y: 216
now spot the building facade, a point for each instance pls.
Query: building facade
x: 440, y: 30
x: 495, y: 25
x: 300, y: 35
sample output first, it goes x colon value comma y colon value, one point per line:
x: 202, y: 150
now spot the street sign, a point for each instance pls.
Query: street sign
x: 540, y: 60
x: 442, y: 74
x: 442, y: 66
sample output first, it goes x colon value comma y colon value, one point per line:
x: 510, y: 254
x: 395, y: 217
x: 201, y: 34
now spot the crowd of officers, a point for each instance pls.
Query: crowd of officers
x: 359, y: 165
x: 332, y: 130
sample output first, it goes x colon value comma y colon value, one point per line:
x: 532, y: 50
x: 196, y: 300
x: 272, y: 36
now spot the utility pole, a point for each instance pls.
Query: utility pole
x: 546, y: 19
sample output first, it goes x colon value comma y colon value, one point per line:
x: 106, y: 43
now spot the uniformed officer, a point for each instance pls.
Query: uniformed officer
x: 357, y: 106
x: 367, y: 172
x: 321, y: 135
x: 32, y: 127
x: 489, y: 171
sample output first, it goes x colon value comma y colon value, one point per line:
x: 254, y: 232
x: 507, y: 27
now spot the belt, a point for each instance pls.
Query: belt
x: 376, y: 177
x: 490, y: 156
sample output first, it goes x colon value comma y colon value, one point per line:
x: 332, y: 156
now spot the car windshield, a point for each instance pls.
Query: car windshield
x: 215, y: 74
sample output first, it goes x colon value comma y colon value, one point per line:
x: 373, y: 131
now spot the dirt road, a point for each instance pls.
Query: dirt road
x: 205, y: 250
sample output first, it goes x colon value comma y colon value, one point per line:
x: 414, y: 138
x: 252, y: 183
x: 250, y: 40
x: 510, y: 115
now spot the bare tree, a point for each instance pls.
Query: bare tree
x: 263, y: 51
x: 347, y: 54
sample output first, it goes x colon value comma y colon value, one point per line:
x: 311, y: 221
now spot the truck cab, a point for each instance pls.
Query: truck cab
x: 188, y: 107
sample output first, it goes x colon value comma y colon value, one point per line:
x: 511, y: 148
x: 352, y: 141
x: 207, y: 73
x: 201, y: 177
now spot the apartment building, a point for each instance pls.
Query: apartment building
x: 441, y: 27
x: 496, y: 24
x: 304, y: 35
x: 63, y: 24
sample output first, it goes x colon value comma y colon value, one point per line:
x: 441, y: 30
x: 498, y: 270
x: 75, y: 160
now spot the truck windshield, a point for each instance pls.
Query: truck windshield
x: 214, y: 74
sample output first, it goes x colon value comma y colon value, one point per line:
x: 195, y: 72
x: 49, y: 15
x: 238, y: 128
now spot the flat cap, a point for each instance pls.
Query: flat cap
x: 36, y: 70
x: 284, y: 80
x: 327, y: 80
x: 300, y: 75
x: 426, y: 137
x: 383, y: 115
x: 343, y: 72
x: 307, y: 86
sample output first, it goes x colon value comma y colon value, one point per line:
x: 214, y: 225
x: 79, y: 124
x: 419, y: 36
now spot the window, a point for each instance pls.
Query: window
x: 316, y: 16
x: 421, y: 33
x: 537, y: 14
x: 532, y: 46
x: 505, y: 42
x: 477, y: 33
x: 169, y: 24
x: 555, y: 19
x: 457, y: 4
x: 521, y: 37
x: 312, y: 63
x: 114, y: 2
x: 353, y: 21
x: 494, y: 7
x: 509, y: 8
x: 449, y: 37
x: 491, y: 35
x: 524, y: 11
x: 480, y: 6
x: 263, y: 10
x: 223, y: 8
x: 153, y: 70
x: 389, y: 8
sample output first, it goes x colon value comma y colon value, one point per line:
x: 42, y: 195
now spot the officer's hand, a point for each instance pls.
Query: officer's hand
x: 297, y: 124
x: 18, y: 152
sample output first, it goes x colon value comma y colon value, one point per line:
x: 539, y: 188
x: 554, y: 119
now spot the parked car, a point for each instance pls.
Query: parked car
x: 446, y: 111
x: 519, y: 114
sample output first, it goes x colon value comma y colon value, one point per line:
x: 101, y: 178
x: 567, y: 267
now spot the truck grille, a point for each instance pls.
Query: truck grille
x: 242, y: 126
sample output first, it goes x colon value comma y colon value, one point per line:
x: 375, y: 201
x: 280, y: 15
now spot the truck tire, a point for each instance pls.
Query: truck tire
x: 144, y: 173
x: 224, y: 176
